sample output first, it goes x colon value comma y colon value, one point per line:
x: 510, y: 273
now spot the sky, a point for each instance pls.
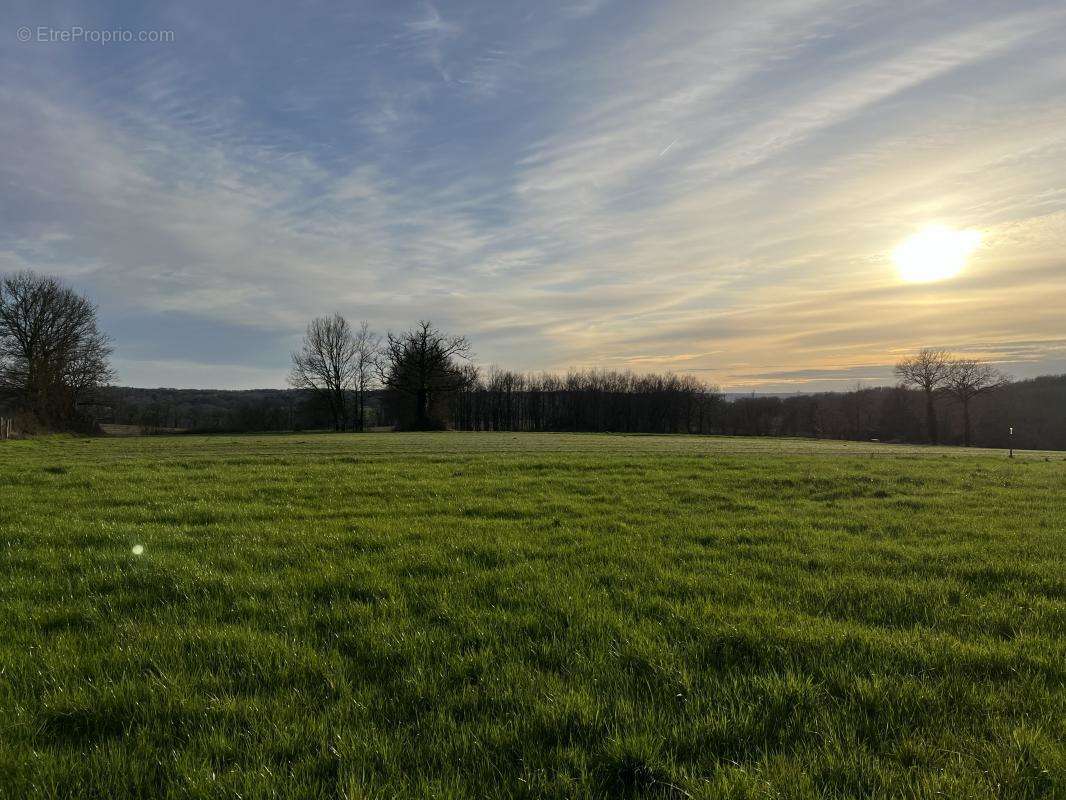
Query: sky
x: 714, y: 188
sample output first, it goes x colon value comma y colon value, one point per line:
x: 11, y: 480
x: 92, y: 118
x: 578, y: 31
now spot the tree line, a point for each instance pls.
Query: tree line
x: 55, y: 370
x: 426, y: 381
x: 1034, y: 408
x: 622, y: 402
x: 589, y: 400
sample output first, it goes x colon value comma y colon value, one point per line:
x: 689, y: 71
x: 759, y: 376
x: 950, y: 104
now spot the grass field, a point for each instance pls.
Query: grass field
x: 498, y: 615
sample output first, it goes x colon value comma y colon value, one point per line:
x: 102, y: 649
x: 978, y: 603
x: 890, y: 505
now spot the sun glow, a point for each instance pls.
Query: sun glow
x: 935, y: 254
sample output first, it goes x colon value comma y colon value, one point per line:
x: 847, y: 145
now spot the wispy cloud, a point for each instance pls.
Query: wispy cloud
x: 702, y: 187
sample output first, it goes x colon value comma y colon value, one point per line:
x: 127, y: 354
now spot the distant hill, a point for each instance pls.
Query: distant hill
x: 216, y: 409
x: 739, y: 395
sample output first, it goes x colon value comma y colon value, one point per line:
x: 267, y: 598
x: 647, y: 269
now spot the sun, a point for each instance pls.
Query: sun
x: 935, y: 254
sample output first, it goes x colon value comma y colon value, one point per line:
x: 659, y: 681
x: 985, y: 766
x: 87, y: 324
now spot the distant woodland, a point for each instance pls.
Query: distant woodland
x: 598, y: 401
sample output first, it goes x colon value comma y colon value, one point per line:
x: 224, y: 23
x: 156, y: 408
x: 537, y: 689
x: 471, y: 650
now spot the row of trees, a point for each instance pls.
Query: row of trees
x: 1033, y: 408
x: 427, y: 382
x: 973, y: 407
x: 504, y: 401
x: 592, y: 400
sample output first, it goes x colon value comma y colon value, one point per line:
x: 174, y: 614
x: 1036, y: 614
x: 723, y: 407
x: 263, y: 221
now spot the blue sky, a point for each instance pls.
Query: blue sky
x: 705, y: 187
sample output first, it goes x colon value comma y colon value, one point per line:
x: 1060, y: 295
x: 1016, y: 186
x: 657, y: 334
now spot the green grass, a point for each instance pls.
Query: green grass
x: 498, y: 615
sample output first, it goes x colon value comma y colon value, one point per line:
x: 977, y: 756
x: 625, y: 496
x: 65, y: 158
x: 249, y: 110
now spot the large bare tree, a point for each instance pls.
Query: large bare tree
x: 52, y: 352
x: 927, y: 371
x: 327, y: 364
x: 420, y: 368
x: 969, y: 378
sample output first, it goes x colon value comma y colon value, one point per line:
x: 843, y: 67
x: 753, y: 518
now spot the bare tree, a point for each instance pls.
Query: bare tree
x: 367, y: 352
x: 420, y: 369
x: 927, y: 371
x: 968, y: 378
x: 326, y: 364
x: 52, y: 353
